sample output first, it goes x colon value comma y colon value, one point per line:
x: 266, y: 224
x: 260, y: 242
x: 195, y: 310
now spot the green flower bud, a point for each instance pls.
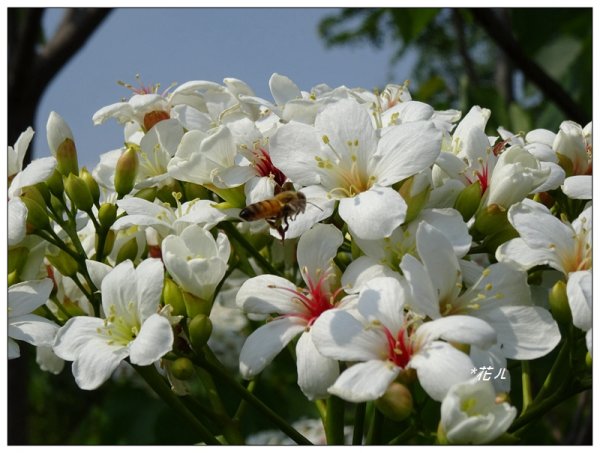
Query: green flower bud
x: 17, y: 257
x: 128, y: 251
x: 44, y: 192
x: 468, y: 200
x: 91, y: 184
x: 396, y: 403
x: 79, y: 193
x: 33, y: 193
x: 109, y: 242
x: 588, y: 360
x: 107, y: 214
x: 57, y: 205
x: 55, y: 183
x: 199, y: 330
x: 195, y: 305
x: 415, y: 191
x: 495, y: 240
x: 172, y: 296
x: 37, y: 217
x: 66, y: 157
x: 491, y: 219
x: 193, y: 191
x: 64, y: 262
x: 559, y: 303
x: 148, y: 194
x: 126, y: 171
x: 183, y: 368
x: 13, y: 278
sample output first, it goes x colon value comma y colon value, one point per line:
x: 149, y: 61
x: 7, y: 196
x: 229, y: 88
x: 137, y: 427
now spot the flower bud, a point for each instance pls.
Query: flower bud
x: 107, y: 214
x: 79, y: 193
x: 468, y: 200
x: 62, y: 144
x: 109, y: 242
x: 415, y: 192
x: 33, y: 193
x: 183, y: 368
x: 126, y: 171
x: 559, y: 303
x: 37, y: 216
x: 199, y: 330
x: 172, y: 296
x: 235, y: 196
x: 495, y: 240
x: 44, y: 192
x: 194, y: 305
x: 91, y: 184
x: 64, y: 262
x: 193, y: 191
x: 396, y: 403
x: 17, y: 257
x: 588, y: 360
x: 128, y: 251
x: 55, y: 183
x: 491, y: 219
x: 147, y: 193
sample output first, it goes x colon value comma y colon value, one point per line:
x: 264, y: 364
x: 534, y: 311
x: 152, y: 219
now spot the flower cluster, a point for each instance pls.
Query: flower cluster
x: 388, y: 248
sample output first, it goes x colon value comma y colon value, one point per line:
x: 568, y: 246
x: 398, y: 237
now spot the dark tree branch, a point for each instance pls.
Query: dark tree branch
x: 459, y: 26
x: 532, y: 71
x: 24, y: 28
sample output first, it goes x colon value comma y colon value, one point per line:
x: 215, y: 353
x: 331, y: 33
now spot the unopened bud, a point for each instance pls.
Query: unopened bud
x: 66, y: 156
x: 44, y: 192
x: 495, y: 240
x: 91, y: 184
x: 37, y: 217
x: 126, y: 171
x: 193, y: 191
x: 128, y: 251
x: 199, y: 330
x: 396, y: 403
x: 109, y: 242
x: 147, y: 193
x: 33, y: 193
x: 559, y: 303
x: 415, y: 191
x: 17, y: 257
x: 588, y: 360
x: 62, y: 144
x: 468, y: 200
x: 64, y: 262
x: 79, y: 193
x: 107, y: 214
x: 194, y: 305
x: 183, y: 368
x: 172, y: 296
x: 55, y: 183
x: 491, y: 219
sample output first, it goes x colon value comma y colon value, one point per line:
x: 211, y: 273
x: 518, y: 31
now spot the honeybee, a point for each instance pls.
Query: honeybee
x: 277, y: 211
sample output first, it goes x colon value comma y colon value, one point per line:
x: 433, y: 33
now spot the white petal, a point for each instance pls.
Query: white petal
x: 451, y: 224
x: 32, y: 329
x: 96, y: 362
x: 317, y: 248
x: 495, y: 358
x: 26, y: 296
x: 381, y: 203
x: 38, y: 170
x: 267, y: 294
x: 579, y: 292
x: 74, y: 335
x: 365, y: 381
x: 97, y: 271
x: 119, y: 288
x: 315, y: 372
x: 578, y: 187
x: 382, y: 299
x: 283, y: 89
x: 458, y: 328
x: 339, y: 335
x: 524, y: 333
x: 17, y: 219
x: 517, y: 253
x: 266, y: 342
x: 424, y: 298
x: 149, y: 278
x: 154, y: 341
x: 13, y: 349
x: 439, y: 366
x: 362, y: 270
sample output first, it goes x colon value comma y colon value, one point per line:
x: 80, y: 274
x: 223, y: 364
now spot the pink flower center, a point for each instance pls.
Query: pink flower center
x: 264, y: 166
x: 399, y: 347
x: 483, y: 176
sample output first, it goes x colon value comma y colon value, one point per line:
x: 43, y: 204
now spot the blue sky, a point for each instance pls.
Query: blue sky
x: 180, y: 44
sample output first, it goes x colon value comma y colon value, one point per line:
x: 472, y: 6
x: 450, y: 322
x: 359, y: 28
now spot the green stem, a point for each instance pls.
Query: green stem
x: 374, y: 436
x: 243, y: 403
x: 526, y: 383
x: 219, y: 372
x: 359, y: 423
x: 403, y: 436
x: 555, y: 373
x: 240, y: 239
x: 158, y: 384
x: 322, y: 409
x: 334, y: 421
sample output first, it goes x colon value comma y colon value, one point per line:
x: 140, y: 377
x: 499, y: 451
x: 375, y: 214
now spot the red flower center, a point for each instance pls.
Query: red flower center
x: 264, y: 166
x: 399, y: 347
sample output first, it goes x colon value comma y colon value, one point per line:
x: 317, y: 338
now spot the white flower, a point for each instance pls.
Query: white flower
x: 575, y: 144
x: 579, y: 293
x: 544, y: 239
x: 132, y: 328
x: 470, y: 414
x: 345, y: 158
x: 196, y: 261
x: 298, y: 309
x: 23, y: 325
x: 498, y: 295
x: 16, y: 154
x: 386, y: 340
x: 578, y: 187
